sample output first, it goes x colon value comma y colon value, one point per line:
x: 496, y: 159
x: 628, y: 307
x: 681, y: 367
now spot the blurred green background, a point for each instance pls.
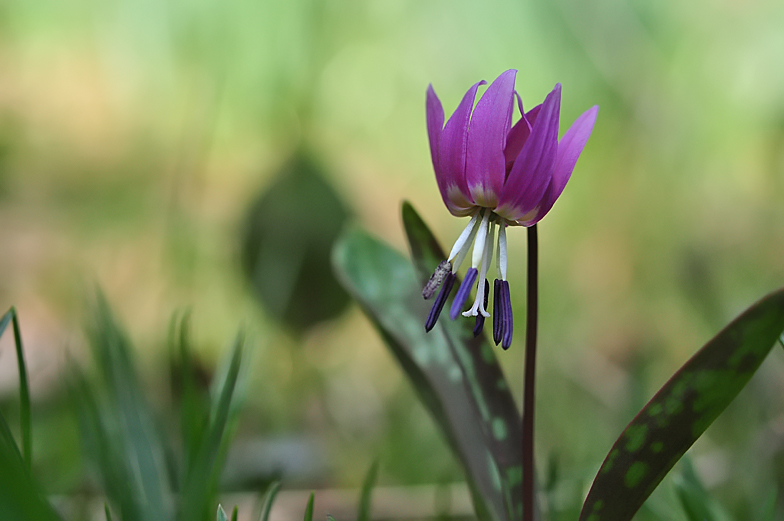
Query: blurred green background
x: 137, y: 138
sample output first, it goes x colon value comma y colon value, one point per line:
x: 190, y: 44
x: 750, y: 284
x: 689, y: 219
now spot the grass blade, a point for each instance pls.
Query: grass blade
x: 681, y: 411
x: 118, y: 426
x: 200, y: 481
x: 309, y: 509
x: 221, y: 514
x: 269, y: 498
x: 24, y: 389
x: 363, y: 513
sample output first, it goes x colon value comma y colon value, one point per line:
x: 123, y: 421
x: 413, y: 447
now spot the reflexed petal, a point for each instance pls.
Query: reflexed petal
x: 532, y: 170
x: 435, y: 123
x: 569, y: 150
x: 450, y: 174
x: 490, y: 123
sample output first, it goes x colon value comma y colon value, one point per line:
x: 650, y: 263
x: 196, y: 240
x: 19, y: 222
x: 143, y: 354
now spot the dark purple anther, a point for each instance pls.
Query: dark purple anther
x: 462, y: 293
x: 480, y: 318
x: 438, y: 305
x: 506, y: 307
x: 497, y: 319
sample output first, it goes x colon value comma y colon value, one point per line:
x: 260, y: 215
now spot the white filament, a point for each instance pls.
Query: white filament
x: 464, y: 243
x: 502, y: 250
x: 479, y: 243
x: 487, y: 258
x: 463, y: 239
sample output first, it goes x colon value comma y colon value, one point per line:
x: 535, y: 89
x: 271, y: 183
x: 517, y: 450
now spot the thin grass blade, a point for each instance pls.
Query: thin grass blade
x: 363, y: 513
x: 20, y: 497
x: 681, y: 411
x: 309, y: 509
x: 269, y: 499
x: 221, y: 514
x: 24, y: 389
x: 200, y: 482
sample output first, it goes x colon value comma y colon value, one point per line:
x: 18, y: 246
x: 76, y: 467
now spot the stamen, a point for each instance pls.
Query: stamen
x: 497, y: 314
x: 479, y: 243
x: 438, y: 304
x: 480, y: 318
x: 462, y: 293
x: 487, y: 255
x: 443, y: 268
x: 508, y: 325
x: 463, y: 237
x: 502, y: 250
x: 463, y: 244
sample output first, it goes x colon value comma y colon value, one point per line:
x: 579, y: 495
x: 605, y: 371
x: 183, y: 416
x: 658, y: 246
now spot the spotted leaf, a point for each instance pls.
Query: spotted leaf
x: 681, y: 411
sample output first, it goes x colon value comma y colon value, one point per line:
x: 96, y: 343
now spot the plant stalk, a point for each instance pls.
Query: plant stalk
x: 532, y: 304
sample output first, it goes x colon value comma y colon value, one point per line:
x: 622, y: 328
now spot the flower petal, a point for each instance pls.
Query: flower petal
x: 569, y: 150
x: 452, y: 145
x: 519, y: 133
x: 435, y: 123
x: 490, y: 123
x: 532, y: 170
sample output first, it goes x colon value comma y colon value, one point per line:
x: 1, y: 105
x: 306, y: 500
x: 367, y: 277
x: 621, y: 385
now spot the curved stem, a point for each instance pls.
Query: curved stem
x: 529, y: 376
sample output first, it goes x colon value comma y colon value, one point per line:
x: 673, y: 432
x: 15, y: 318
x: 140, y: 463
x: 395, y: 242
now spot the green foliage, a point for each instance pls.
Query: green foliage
x: 285, y: 253
x: 681, y: 411
x: 24, y: 390
x: 363, y: 513
x: 695, y: 500
x: 20, y: 498
x: 269, y: 498
x: 309, y: 509
x: 455, y: 375
x: 121, y: 433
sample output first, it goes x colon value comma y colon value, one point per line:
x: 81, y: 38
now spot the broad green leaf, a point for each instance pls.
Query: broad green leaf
x: 24, y: 390
x: 681, y: 411
x: 455, y: 375
x: 309, y: 509
x: 269, y: 498
x: 493, y: 405
x: 363, y: 513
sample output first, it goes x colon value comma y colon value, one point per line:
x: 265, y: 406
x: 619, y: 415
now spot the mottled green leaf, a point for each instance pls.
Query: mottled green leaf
x: 681, y: 411
x: 455, y: 375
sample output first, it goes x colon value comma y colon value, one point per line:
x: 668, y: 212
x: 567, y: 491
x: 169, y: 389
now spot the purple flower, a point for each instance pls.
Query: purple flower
x: 501, y: 175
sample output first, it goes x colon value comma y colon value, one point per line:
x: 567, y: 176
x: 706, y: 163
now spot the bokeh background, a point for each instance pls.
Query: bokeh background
x: 194, y: 155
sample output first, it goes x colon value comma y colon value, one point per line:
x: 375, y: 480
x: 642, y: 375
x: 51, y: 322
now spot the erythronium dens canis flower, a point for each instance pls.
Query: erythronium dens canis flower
x: 500, y: 175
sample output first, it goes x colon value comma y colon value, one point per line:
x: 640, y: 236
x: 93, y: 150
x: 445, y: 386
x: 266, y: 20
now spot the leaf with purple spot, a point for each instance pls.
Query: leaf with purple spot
x: 681, y: 411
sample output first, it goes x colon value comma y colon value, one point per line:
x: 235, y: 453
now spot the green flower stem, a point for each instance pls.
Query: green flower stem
x: 529, y: 376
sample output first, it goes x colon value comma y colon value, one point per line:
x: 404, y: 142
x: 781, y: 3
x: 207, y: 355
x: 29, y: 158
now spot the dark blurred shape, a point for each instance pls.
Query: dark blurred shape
x: 286, y: 244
